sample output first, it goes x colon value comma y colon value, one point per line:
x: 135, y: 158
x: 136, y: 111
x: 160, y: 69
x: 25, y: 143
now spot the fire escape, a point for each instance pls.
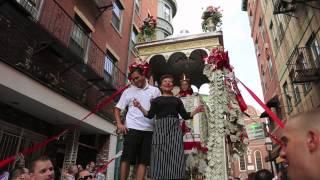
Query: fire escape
x: 304, y: 66
x: 289, y: 6
x: 46, y: 52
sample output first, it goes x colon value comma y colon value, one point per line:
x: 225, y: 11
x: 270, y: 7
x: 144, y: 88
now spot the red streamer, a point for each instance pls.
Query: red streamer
x: 275, y: 139
x: 268, y: 111
x: 44, y: 143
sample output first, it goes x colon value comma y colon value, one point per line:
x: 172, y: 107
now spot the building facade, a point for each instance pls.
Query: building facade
x: 293, y: 31
x: 254, y: 158
x: 59, y: 59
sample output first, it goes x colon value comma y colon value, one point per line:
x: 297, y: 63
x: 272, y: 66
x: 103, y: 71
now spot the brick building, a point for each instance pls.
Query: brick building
x: 254, y: 158
x: 293, y: 31
x: 58, y: 60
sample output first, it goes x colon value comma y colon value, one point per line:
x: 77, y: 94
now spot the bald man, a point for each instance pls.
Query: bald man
x: 301, y: 150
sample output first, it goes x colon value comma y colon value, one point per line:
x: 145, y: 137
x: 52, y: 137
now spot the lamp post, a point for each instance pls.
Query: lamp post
x: 269, y: 147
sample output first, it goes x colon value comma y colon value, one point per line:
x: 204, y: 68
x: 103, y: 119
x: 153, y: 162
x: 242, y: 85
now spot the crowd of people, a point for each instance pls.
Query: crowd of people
x: 158, y: 143
x: 42, y: 168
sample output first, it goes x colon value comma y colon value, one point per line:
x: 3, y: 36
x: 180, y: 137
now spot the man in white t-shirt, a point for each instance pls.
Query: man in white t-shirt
x: 137, y: 129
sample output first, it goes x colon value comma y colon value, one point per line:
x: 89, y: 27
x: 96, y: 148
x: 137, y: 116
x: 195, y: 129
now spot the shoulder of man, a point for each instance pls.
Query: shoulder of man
x: 155, y: 89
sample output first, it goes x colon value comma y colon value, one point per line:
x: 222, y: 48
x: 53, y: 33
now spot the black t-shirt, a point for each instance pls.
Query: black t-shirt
x: 164, y: 106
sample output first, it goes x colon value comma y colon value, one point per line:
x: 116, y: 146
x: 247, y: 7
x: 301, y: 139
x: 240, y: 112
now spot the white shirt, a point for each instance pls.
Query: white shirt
x: 135, y: 118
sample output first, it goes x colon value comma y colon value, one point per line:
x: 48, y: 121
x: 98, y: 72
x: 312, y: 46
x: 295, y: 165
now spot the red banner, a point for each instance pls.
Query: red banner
x: 268, y: 111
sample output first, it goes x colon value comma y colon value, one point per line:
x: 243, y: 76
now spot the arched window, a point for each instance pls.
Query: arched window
x: 258, y: 159
x: 242, y: 163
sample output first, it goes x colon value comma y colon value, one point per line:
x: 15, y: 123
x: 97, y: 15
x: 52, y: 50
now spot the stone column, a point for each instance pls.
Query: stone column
x: 111, y: 154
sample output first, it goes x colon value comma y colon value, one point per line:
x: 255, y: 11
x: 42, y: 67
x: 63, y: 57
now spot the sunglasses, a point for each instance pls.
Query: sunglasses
x: 86, y: 177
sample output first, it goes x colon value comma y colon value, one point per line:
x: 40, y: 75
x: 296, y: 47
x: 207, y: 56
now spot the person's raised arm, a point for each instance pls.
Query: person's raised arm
x: 149, y: 114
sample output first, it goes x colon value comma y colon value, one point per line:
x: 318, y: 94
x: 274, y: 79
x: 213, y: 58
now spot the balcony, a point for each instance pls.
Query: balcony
x: 42, y: 51
x: 303, y: 65
x: 284, y: 6
x: 164, y: 25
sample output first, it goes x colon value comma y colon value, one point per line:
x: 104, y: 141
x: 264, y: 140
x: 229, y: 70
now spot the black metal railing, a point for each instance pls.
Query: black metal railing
x: 304, y: 65
x: 40, y: 50
x: 283, y: 6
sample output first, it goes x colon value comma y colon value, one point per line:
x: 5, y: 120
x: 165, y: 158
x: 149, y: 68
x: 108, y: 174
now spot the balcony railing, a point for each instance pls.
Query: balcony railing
x: 165, y: 25
x: 40, y: 50
x: 304, y: 66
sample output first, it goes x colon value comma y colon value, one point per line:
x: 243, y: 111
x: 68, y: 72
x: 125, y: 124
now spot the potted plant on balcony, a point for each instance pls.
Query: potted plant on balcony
x: 211, y: 19
x: 147, y: 30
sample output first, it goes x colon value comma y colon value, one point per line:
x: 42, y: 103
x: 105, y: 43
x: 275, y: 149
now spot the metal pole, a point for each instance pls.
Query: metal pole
x: 271, y: 163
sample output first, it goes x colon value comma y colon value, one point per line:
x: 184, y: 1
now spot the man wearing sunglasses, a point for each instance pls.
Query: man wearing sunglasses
x: 85, y: 175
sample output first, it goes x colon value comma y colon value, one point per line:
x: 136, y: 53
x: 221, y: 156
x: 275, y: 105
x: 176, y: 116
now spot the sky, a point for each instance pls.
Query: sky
x: 236, y: 35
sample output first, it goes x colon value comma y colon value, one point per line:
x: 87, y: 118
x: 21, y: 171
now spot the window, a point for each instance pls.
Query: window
x: 261, y: 29
x: 263, y: 80
x: 256, y: 46
x: 116, y: 14
x: 306, y: 87
x: 79, y: 38
x: 250, y: 18
x: 109, y: 62
x: 270, y: 67
x: 32, y: 6
x: 258, y: 159
x: 242, y: 163
x: 273, y: 35
x: 134, y: 34
x: 295, y: 89
x: 314, y: 50
x: 137, y: 4
x: 166, y: 12
x: 287, y: 97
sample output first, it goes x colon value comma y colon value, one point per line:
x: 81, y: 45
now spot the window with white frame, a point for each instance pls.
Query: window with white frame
x: 256, y: 46
x: 117, y: 14
x: 258, y: 159
x: 295, y: 89
x: 109, y: 63
x: 32, y: 6
x: 137, y: 4
x: 314, y: 50
x: 261, y: 28
x: 166, y: 12
x: 273, y: 35
x: 134, y: 34
x: 79, y: 39
x: 242, y: 163
x: 270, y: 67
x: 263, y: 80
x: 287, y: 97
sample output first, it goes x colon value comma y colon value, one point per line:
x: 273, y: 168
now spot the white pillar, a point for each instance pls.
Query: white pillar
x: 112, y: 153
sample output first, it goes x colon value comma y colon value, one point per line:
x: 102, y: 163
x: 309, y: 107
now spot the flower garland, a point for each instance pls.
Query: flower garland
x: 224, y: 124
x: 147, y: 30
x: 211, y: 15
x: 143, y: 65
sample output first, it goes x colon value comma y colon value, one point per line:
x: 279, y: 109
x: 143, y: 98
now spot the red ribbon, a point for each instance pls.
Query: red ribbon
x: 44, y: 143
x: 268, y: 111
x: 104, y: 167
x: 275, y: 139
